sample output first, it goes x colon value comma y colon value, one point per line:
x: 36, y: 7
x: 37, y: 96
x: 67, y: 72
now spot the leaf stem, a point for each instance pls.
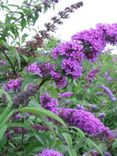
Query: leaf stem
x: 12, y: 66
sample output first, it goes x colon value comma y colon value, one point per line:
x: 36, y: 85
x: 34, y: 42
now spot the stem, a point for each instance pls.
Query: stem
x: 22, y: 137
x: 12, y: 66
x: 41, y: 83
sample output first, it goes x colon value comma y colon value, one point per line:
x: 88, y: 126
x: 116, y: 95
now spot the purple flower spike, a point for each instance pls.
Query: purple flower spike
x: 65, y: 95
x: 101, y: 115
x: 92, y: 153
x: 48, y: 102
x: 108, y: 92
x: 50, y: 152
x: 92, y: 74
x: 39, y: 127
x: 80, y: 107
x: 20, y: 130
x: 107, y: 154
x: 84, y: 120
x: 13, y: 84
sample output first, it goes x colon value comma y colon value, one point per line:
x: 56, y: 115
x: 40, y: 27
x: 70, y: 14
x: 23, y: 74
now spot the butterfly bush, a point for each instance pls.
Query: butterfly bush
x: 50, y: 152
x: 84, y: 120
x: 13, y: 84
x: 86, y: 45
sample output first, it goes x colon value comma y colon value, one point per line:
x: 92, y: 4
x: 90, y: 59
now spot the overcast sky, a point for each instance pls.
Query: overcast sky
x: 93, y: 12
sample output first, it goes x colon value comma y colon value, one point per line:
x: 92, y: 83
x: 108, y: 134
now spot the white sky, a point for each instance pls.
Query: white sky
x: 93, y: 12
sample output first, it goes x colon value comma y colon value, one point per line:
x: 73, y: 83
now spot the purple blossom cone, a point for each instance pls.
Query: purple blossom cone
x: 50, y: 152
x: 84, y: 120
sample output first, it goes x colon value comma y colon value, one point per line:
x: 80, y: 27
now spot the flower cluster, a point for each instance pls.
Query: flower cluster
x: 41, y: 69
x: 72, y: 68
x: 91, y: 75
x: 60, y: 81
x: 84, y: 45
x: 93, y: 42
x: 69, y: 49
x: 13, y: 84
x: 50, y: 152
x: 48, y: 102
x: 72, y: 55
x: 109, y: 32
x: 84, y: 120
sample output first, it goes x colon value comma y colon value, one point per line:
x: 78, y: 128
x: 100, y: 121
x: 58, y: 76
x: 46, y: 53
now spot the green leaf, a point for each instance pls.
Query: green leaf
x: 2, y: 143
x: 23, y: 23
x: 68, y: 139
x: 114, y: 145
x: 16, y: 54
x: 40, y: 111
x: 35, y: 17
x: 92, y: 144
x: 7, y: 96
x: 4, y: 116
x: 3, y: 130
x: 72, y: 152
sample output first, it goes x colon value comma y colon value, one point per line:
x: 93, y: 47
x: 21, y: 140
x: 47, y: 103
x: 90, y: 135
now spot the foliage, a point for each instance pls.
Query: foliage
x: 35, y: 89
